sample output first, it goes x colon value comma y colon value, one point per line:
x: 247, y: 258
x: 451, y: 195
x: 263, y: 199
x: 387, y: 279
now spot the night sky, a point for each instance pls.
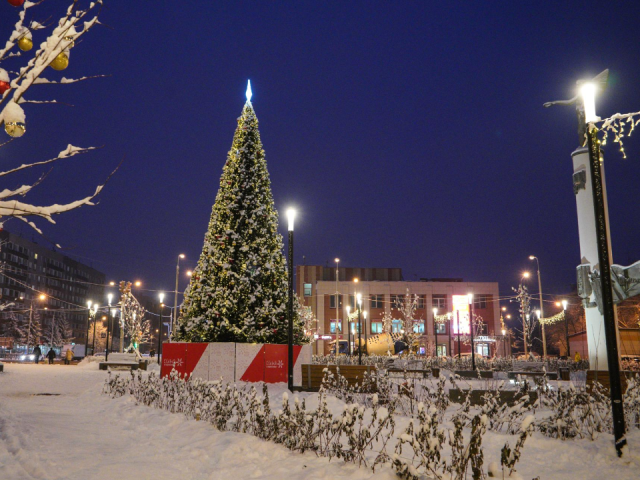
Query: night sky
x: 408, y: 134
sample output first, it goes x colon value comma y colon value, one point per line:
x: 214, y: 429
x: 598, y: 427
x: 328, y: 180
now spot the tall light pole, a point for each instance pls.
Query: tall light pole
x: 525, y: 318
x: 593, y: 227
x: 86, y: 343
x: 349, y: 329
x: 175, y: 299
x: 566, y: 327
x: 109, y: 298
x: 161, y: 296
x: 544, y: 338
x: 93, y: 343
x: 435, y: 328
x: 291, y: 215
x: 364, y: 325
x: 338, y: 324
x: 359, y: 300
x: 473, y: 353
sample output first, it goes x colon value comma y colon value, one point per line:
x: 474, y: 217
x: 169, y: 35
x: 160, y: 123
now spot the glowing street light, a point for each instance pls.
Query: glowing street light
x: 291, y: 215
x: 473, y: 353
x: 338, y: 323
x: 359, y: 302
x: 109, y: 298
x: 161, y: 297
x: 435, y: 327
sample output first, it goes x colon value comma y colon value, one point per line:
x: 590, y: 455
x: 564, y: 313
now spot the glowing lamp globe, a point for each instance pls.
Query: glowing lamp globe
x: 15, y: 129
x: 61, y: 62
x: 15, y: 3
x: 25, y: 44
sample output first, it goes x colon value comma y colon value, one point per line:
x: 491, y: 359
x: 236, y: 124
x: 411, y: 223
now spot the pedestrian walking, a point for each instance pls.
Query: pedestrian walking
x: 37, y: 352
x: 51, y: 354
x: 68, y: 357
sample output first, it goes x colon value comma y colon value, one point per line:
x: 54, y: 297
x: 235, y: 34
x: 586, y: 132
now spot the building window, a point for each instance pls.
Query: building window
x: 480, y: 301
x: 421, y: 301
x: 376, y: 301
x: 396, y: 326
x: 441, y: 328
x: 442, y: 350
x: 335, y: 324
x: 332, y: 301
x: 439, y: 302
x: 376, y: 327
x: 397, y: 301
x: 307, y: 289
x: 418, y: 327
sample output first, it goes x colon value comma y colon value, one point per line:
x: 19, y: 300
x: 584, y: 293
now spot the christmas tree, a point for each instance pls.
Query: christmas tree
x: 238, y: 291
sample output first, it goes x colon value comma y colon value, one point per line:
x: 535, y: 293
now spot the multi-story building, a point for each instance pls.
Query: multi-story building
x: 29, y: 270
x: 383, y: 290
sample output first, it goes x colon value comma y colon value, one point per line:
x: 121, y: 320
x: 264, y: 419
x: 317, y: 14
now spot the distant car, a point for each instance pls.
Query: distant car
x: 27, y: 358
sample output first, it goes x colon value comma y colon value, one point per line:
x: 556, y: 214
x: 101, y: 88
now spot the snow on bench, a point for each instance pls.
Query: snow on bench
x: 121, y: 360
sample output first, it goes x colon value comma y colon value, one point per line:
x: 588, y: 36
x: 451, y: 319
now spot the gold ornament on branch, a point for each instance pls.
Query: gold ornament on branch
x: 25, y: 43
x: 61, y: 62
x: 14, y: 129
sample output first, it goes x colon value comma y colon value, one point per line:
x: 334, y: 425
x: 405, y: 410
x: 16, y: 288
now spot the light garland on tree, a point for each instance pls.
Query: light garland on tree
x: 558, y: 317
x: 442, y: 318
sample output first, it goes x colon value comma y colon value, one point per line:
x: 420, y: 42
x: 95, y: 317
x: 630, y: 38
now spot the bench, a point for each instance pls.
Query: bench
x: 312, y: 375
x: 529, y: 373
x: 125, y: 360
x: 425, y: 373
x: 474, y: 374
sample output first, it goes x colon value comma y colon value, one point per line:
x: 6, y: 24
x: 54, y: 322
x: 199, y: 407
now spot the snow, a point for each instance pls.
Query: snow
x: 82, y: 433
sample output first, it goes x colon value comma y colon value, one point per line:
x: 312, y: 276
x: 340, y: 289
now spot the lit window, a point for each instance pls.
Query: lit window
x: 418, y: 327
x: 307, y: 289
x: 441, y: 327
x: 396, y: 326
x: 334, y: 324
x: 376, y: 327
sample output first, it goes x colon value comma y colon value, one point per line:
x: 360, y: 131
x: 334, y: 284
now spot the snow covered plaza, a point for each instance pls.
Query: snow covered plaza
x: 319, y: 240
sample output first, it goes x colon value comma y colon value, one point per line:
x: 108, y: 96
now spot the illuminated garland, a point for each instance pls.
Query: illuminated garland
x: 558, y: 317
x: 442, y: 318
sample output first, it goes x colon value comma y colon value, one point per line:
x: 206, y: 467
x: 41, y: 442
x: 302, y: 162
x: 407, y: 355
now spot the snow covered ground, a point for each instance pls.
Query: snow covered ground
x: 82, y: 434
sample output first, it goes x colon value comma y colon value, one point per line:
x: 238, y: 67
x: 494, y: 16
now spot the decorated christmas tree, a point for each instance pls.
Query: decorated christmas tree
x: 238, y: 291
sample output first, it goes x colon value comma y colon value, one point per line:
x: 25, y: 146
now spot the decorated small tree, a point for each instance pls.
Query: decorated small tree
x: 132, y: 318
x: 238, y: 290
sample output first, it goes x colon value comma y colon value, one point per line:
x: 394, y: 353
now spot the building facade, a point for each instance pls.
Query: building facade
x: 383, y: 290
x: 29, y: 270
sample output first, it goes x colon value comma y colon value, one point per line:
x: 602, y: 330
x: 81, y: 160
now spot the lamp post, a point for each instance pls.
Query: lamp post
x: 106, y: 354
x: 593, y: 226
x: 525, y: 317
x: 175, y: 299
x: 338, y: 324
x: 86, y: 342
x: 504, y: 342
x: 291, y: 215
x: 161, y: 296
x: 359, y: 300
x: 349, y: 329
x: 544, y: 338
x: 458, y: 317
x: 364, y: 326
x: 435, y: 328
x: 473, y: 353
x: 93, y: 344
x: 566, y: 327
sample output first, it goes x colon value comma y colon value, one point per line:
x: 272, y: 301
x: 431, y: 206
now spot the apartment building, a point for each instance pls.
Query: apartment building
x: 29, y: 270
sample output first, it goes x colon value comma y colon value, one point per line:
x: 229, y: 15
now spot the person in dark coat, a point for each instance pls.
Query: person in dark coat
x: 51, y: 354
x: 37, y: 352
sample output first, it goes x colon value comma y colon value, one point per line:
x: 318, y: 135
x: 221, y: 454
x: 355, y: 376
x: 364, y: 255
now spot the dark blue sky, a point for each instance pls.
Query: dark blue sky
x: 408, y: 134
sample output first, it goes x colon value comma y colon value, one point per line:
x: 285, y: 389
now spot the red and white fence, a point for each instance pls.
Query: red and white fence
x: 234, y: 362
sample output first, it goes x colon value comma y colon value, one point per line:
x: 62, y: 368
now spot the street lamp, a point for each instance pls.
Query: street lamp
x: 359, y: 300
x: 291, y: 215
x: 473, y: 353
x: 435, y: 327
x: 175, y: 298
x: 504, y: 341
x: 544, y: 338
x: 161, y: 296
x: 566, y: 326
x: 93, y: 343
x: 106, y: 354
x: 86, y: 343
x: 348, y: 308
x: 524, y: 320
x: 364, y: 315
x: 338, y: 324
